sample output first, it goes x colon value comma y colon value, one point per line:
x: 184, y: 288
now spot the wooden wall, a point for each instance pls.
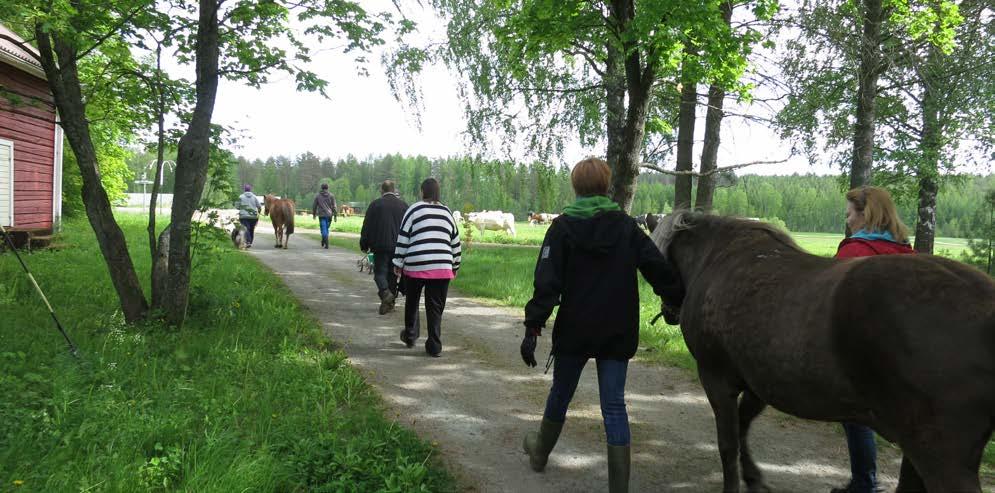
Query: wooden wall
x: 30, y: 123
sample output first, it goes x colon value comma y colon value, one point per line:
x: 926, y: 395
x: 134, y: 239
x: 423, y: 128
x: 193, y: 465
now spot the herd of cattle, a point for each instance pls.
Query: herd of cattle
x: 505, y: 221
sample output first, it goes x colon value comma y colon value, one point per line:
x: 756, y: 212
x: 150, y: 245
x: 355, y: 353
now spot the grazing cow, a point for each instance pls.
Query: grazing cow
x: 281, y: 214
x: 494, y: 221
x: 541, y: 217
x: 458, y: 217
x: 904, y: 344
x: 346, y: 210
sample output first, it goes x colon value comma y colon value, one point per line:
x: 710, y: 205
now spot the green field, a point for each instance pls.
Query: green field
x: 248, y: 396
x: 527, y: 234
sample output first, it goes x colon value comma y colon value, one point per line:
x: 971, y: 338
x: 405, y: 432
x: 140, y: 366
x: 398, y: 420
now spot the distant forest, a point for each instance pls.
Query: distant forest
x: 809, y: 203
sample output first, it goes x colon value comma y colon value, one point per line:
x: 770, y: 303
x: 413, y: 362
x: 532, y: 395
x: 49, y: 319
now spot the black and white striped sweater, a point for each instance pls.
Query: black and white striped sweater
x: 428, y: 239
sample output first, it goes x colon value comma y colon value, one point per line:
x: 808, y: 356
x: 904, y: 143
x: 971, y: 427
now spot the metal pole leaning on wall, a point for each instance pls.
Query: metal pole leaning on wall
x: 10, y: 243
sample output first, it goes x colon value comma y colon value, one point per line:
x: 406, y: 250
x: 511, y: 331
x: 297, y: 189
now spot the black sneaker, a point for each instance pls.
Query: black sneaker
x: 387, y: 303
x: 407, y: 342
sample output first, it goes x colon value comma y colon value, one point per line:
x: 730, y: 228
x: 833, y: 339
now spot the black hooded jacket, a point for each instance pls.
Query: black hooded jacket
x: 381, y: 224
x: 588, y: 267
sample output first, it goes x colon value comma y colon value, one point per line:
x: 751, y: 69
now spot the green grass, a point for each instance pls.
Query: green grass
x: 248, y: 396
x: 527, y: 234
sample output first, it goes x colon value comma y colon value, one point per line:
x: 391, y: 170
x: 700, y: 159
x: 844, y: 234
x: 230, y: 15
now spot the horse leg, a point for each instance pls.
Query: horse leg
x: 945, y: 455
x: 908, y: 478
x: 286, y: 240
x: 750, y: 406
x: 722, y: 396
x: 278, y: 230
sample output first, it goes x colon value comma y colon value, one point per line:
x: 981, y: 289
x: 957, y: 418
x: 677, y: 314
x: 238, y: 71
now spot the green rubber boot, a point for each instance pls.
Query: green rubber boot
x: 539, y: 445
x: 618, y: 468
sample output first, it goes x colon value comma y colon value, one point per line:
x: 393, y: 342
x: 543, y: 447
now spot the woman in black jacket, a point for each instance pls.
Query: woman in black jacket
x: 587, y: 265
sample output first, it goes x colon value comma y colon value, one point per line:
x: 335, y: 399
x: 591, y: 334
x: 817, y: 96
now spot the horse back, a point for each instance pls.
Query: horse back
x: 917, y: 325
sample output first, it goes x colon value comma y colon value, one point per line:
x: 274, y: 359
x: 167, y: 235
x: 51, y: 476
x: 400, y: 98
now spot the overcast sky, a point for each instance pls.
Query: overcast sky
x: 361, y: 117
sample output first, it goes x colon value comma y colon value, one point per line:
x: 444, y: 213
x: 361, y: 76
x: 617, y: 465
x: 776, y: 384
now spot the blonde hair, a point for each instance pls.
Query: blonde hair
x: 880, y: 213
x: 591, y: 177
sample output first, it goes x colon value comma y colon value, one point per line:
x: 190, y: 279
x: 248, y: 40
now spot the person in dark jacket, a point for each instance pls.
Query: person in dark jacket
x: 379, y: 235
x: 877, y: 230
x: 324, y: 209
x: 587, y: 265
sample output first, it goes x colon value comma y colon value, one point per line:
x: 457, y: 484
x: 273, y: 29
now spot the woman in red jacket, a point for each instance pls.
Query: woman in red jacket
x: 877, y: 230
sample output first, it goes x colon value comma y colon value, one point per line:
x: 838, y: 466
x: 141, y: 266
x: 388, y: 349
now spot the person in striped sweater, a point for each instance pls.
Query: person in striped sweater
x: 427, y: 256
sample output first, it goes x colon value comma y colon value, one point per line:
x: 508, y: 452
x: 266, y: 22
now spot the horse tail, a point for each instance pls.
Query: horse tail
x: 290, y: 217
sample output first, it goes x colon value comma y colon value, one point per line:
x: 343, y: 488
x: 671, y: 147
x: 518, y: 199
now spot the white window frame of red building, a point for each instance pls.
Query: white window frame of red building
x: 10, y: 211
x: 57, y: 177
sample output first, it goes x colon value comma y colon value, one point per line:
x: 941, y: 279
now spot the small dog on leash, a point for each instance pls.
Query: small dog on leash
x: 238, y: 237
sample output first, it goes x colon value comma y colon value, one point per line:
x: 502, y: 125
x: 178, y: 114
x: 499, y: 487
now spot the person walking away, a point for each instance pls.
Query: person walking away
x: 428, y: 256
x: 872, y: 216
x: 379, y: 235
x: 587, y: 265
x: 248, y: 213
x: 324, y: 209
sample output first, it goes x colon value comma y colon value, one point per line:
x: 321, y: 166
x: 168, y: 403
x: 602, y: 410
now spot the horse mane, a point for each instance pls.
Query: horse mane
x: 685, y: 220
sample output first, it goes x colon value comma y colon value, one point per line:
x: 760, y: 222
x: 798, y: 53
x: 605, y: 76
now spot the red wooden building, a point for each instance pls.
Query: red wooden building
x: 30, y: 144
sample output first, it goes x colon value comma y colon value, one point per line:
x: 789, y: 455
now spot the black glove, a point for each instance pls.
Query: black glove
x: 671, y: 314
x: 528, y: 348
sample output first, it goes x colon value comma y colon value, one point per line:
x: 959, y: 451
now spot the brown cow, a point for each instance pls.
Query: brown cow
x: 281, y: 214
x: 346, y: 210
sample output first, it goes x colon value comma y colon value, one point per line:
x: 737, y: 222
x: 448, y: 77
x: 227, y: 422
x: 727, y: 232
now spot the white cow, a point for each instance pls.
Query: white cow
x: 494, y: 221
x: 458, y: 218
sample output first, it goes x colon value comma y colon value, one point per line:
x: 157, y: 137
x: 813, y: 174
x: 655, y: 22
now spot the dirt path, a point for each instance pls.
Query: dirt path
x: 479, y: 399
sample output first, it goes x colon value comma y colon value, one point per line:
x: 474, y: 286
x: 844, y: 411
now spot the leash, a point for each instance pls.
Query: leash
x: 72, y: 347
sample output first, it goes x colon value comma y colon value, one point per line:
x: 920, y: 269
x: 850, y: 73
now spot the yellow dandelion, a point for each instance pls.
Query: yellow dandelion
x: 18, y: 482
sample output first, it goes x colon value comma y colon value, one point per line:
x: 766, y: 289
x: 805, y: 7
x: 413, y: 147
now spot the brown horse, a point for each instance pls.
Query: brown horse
x: 904, y: 344
x: 281, y: 214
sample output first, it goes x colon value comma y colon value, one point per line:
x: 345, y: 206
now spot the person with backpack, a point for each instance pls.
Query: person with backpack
x: 248, y: 213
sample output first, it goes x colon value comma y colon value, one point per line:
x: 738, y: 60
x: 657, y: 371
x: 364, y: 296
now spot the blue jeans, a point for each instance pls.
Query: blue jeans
x: 611, y: 388
x: 863, y: 457
x: 324, y: 222
x: 250, y: 229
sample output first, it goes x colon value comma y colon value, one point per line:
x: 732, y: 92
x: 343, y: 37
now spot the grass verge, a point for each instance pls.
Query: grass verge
x: 246, y: 397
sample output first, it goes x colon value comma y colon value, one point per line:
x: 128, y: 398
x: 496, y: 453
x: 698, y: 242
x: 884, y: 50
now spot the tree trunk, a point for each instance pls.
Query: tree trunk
x: 614, y: 81
x: 685, y: 144
x: 63, y: 80
x: 160, y: 150
x: 710, y: 151
x: 713, y: 135
x: 931, y: 146
x: 638, y: 83
x: 160, y: 271
x: 926, y: 220
x: 192, y: 157
x: 862, y: 163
